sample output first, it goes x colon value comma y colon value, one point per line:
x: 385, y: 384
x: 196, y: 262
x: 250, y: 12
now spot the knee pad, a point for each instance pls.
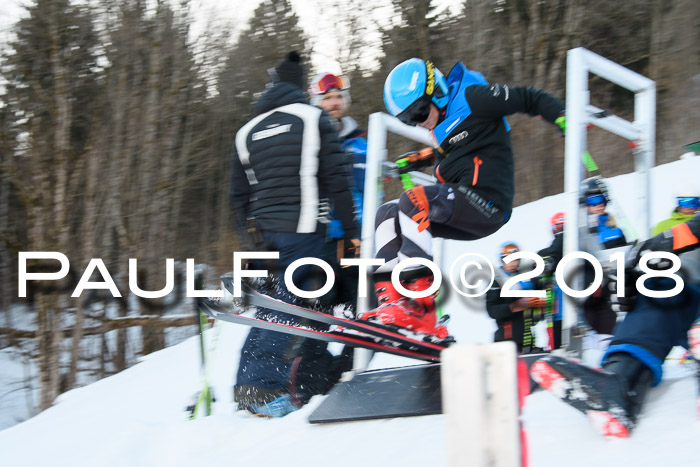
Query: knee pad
x: 389, y: 210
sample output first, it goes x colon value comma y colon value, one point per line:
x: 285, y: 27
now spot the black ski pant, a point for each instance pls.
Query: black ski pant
x: 405, y: 228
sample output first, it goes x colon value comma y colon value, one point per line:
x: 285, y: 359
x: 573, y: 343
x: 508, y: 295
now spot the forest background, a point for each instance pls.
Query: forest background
x: 117, y: 127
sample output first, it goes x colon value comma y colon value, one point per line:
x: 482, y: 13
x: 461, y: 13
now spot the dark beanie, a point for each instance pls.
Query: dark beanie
x: 290, y: 69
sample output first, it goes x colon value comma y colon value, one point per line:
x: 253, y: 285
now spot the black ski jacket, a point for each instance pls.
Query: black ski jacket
x: 288, y: 167
x: 474, y: 147
x: 512, y: 326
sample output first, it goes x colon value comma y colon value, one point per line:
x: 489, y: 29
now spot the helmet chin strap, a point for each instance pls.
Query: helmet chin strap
x: 443, y: 114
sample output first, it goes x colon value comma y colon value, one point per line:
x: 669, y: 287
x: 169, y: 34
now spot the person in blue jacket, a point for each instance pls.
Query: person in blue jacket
x: 601, y: 225
x: 473, y: 161
x: 601, y: 233
x: 332, y: 93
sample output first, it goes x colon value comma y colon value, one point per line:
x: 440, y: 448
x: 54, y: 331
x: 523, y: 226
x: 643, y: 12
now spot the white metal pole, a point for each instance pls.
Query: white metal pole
x: 645, y: 157
x: 613, y: 72
x: 576, y: 102
x: 379, y: 125
x: 579, y: 112
x: 376, y: 154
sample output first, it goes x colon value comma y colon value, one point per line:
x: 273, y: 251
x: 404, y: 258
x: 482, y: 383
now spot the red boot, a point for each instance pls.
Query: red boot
x: 417, y: 315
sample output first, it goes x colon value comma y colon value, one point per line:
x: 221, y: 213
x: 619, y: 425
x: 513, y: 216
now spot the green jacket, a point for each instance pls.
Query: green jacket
x: 675, y: 219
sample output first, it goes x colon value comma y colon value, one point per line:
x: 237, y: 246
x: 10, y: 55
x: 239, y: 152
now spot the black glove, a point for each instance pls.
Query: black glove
x: 657, y: 243
x: 612, y: 294
x: 632, y: 273
x: 635, y: 253
x: 550, y: 265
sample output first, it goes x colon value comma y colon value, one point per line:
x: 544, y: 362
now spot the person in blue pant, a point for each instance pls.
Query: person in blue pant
x: 613, y: 398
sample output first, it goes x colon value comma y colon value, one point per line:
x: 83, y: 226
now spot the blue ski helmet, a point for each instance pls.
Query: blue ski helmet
x: 411, y: 87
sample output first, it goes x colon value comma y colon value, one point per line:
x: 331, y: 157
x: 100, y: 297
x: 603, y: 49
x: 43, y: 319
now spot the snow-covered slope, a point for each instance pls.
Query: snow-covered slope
x: 136, y: 417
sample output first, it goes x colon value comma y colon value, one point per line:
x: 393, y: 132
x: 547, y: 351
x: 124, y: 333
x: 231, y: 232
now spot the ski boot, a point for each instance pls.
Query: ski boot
x: 611, y: 398
x: 694, y: 345
x: 277, y: 408
x: 417, y: 315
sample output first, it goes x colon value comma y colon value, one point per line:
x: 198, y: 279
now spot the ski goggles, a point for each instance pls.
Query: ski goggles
x: 417, y: 112
x: 328, y: 82
x: 509, y: 251
x: 595, y: 200
x: 692, y: 202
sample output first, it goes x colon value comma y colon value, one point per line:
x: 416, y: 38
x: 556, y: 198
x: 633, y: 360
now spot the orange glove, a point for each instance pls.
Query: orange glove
x: 415, y: 160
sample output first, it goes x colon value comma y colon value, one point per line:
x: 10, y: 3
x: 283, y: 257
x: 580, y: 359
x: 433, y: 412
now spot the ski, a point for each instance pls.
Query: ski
x: 387, y: 393
x: 253, y: 297
x: 586, y: 390
x: 397, y: 346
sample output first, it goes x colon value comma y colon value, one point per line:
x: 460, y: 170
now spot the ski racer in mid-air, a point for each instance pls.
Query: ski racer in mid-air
x: 473, y: 160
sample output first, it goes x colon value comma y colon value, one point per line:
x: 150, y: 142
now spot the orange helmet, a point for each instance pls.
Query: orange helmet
x: 508, y: 248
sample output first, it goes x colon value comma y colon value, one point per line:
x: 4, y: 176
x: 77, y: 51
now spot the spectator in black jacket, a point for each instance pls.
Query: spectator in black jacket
x: 551, y: 256
x: 288, y: 172
x: 515, y: 317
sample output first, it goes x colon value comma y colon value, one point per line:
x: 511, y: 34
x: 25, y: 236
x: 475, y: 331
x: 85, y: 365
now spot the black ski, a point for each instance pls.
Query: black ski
x: 401, y: 345
x: 388, y: 393
x: 394, y: 392
x: 253, y: 297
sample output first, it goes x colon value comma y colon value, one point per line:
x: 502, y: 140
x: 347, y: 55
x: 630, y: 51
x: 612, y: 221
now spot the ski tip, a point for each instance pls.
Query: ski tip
x: 607, y: 424
x: 544, y: 375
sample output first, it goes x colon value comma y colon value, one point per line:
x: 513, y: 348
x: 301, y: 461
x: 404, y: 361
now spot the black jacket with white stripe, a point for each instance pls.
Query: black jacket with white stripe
x: 288, y: 168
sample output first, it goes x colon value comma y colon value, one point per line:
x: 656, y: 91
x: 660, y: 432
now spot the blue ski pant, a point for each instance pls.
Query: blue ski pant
x: 656, y: 325
x: 274, y: 363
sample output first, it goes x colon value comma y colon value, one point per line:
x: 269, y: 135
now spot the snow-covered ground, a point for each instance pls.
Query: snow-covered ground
x: 136, y: 418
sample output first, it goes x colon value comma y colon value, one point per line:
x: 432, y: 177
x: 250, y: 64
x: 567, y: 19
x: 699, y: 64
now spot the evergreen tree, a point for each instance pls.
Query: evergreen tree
x: 51, y: 82
x: 272, y: 32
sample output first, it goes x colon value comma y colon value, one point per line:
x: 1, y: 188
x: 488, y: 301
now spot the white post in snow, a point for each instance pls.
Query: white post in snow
x: 579, y: 114
x: 480, y: 403
x: 379, y: 125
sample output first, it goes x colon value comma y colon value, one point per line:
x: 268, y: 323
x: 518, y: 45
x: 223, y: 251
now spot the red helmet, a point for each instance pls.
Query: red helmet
x: 557, y: 222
